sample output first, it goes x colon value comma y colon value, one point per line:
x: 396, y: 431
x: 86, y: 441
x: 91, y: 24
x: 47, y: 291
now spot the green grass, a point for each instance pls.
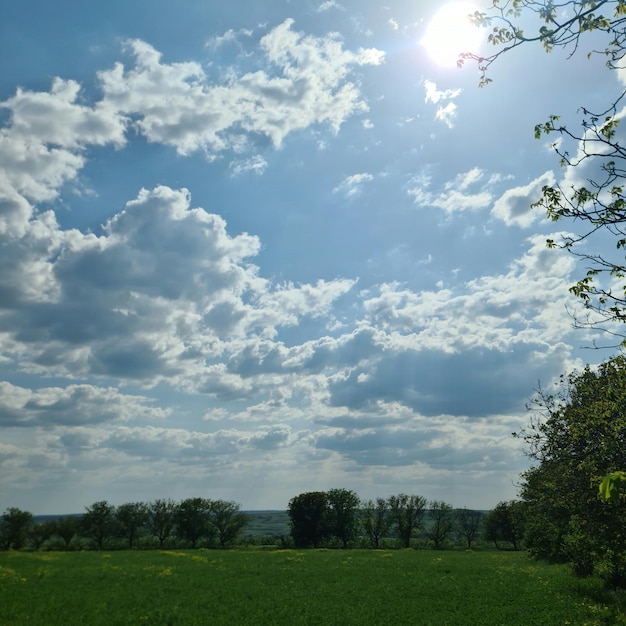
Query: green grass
x: 296, y: 587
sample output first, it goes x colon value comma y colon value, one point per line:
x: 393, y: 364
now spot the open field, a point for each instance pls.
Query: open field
x: 297, y: 587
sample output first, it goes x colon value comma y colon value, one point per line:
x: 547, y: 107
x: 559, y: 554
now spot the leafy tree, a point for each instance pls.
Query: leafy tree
x: 39, y: 533
x: 407, y: 513
x: 308, y: 518
x: 98, y: 522
x: 376, y: 520
x: 66, y: 528
x: 468, y: 524
x: 161, y: 519
x: 505, y: 523
x: 343, y: 505
x: 227, y: 521
x: 578, y: 436
x: 597, y: 204
x: 613, y: 487
x: 193, y: 520
x: 442, y: 522
x: 131, y: 519
x: 14, y: 528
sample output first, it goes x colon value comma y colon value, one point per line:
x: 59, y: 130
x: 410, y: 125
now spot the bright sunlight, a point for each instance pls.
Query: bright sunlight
x: 450, y: 33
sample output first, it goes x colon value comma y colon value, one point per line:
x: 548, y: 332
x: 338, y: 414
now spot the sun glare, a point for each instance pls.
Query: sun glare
x: 450, y: 33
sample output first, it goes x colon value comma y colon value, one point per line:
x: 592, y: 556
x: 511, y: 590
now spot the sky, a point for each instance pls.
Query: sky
x: 253, y: 249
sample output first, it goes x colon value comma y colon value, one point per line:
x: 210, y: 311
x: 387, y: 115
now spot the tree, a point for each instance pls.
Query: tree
x: 193, y: 520
x: 376, y: 520
x: 131, y: 519
x: 597, y: 203
x: 505, y: 523
x: 66, y: 528
x: 38, y: 533
x: 343, y: 505
x: 441, y: 522
x: 468, y: 524
x: 161, y: 519
x: 308, y: 518
x: 407, y: 513
x: 14, y: 528
x: 227, y: 521
x: 578, y: 437
x: 98, y: 522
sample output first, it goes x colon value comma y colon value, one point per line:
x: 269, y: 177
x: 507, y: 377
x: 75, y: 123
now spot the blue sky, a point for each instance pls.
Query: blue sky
x: 253, y: 249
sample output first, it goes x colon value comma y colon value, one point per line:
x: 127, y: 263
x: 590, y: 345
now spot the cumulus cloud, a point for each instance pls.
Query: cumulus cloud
x: 513, y: 206
x: 175, y: 104
x: 455, y: 195
x: 73, y: 405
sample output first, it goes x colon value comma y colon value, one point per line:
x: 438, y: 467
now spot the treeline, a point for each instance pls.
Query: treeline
x: 337, y: 518
x: 188, y: 523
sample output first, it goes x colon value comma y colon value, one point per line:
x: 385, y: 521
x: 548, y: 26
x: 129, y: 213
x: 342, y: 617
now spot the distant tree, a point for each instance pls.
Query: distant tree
x: 308, y: 518
x: 441, y: 522
x: 343, y: 505
x: 505, y: 523
x: 376, y: 520
x: 407, y: 513
x: 98, y: 522
x: 66, y: 528
x: 227, y: 521
x: 14, y: 528
x: 39, y: 533
x: 131, y: 519
x: 161, y: 519
x: 468, y: 524
x: 193, y: 520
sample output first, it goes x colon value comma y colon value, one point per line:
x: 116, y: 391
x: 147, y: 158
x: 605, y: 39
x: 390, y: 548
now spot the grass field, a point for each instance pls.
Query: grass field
x: 297, y: 587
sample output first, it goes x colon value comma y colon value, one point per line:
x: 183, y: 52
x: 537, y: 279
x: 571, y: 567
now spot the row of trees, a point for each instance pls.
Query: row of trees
x: 339, y: 516
x: 191, y: 521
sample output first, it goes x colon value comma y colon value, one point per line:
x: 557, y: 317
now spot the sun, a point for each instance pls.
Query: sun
x: 450, y: 32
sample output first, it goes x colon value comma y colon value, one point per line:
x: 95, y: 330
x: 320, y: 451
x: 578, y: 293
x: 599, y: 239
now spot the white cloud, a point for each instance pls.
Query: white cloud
x: 434, y: 95
x: 351, y: 185
x: 513, y: 206
x: 256, y: 164
x: 446, y: 114
x: 176, y: 105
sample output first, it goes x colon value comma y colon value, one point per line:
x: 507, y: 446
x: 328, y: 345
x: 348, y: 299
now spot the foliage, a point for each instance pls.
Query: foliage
x: 161, y: 519
x: 131, y: 519
x: 308, y: 518
x: 192, y: 520
x: 98, y: 522
x: 295, y: 587
x: 66, y: 528
x: 14, y: 528
x: 376, y: 520
x: 343, y: 505
x: 468, y: 525
x: 613, y: 487
x: 442, y: 522
x: 407, y: 512
x: 578, y: 437
x: 226, y: 520
x: 594, y: 155
x: 505, y: 523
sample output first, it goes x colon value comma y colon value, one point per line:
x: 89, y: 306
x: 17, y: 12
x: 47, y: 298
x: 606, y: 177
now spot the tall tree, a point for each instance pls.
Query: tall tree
x: 161, y: 519
x: 98, y: 522
x: 227, y: 520
x: 596, y: 204
x: 308, y: 518
x: 66, y: 528
x: 407, y: 512
x: 14, y: 527
x: 131, y: 518
x: 376, y: 520
x: 193, y: 520
x: 441, y: 522
x: 468, y: 524
x: 505, y: 523
x: 577, y: 436
x: 343, y: 505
